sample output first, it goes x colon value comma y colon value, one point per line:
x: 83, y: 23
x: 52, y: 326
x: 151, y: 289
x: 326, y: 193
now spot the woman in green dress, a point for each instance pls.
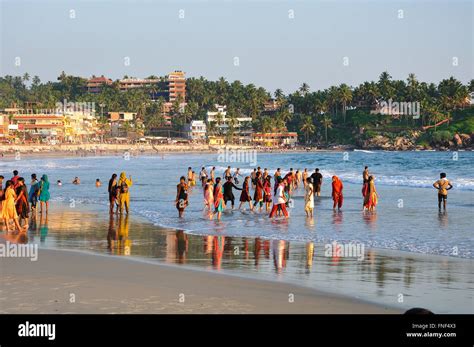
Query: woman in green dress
x: 44, y: 195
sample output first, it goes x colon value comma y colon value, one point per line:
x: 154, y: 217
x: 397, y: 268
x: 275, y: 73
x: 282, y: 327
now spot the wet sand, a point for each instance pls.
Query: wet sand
x: 74, y: 282
x: 68, y: 281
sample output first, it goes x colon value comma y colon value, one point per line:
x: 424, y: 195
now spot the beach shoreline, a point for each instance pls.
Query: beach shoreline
x: 60, y: 272
x: 91, y: 149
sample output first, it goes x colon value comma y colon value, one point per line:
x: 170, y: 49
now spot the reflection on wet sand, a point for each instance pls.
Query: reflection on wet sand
x: 424, y: 280
x: 370, y: 219
x: 443, y: 219
x: 118, y: 241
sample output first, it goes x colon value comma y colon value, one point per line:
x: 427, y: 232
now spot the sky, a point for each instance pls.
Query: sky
x: 272, y: 44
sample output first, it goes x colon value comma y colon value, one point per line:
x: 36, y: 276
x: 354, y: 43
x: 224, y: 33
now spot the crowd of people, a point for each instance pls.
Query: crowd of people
x: 272, y: 193
x: 18, y: 202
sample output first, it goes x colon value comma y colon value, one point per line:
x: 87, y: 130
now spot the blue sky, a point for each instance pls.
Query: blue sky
x: 274, y: 50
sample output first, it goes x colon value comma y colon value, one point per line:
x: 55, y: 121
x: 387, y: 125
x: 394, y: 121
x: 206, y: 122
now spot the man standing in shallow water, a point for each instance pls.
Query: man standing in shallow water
x: 443, y: 185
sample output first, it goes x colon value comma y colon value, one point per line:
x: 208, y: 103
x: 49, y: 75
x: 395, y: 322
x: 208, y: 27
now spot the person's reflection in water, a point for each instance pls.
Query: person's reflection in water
x: 279, y: 255
x: 443, y: 219
x: 370, y: 218
x: 33, y: 227
x: 43, y: 227
x: 256, y: 250
x: 181, y: 246
x: 111, y: 234
x: 219, y: 242
x: 124, y: 244
x: 337, y: 217
x: 309, y: 256
x: 208, y: 244
x: 310, y: 223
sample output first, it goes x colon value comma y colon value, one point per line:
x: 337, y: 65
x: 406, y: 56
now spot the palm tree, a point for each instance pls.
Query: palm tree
x: 345, y: 96
x: 304, y: 89
x: 307, y: 127
x: 327, y: 123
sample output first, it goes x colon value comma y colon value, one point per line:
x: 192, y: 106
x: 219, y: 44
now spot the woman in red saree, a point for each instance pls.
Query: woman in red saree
x: 337, y: 196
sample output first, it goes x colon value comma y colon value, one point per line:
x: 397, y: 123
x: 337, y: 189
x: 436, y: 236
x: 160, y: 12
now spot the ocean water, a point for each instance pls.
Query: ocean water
x: 407, y: 217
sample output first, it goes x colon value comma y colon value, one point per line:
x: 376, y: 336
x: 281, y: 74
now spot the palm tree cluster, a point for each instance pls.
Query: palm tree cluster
x: 303, y: 111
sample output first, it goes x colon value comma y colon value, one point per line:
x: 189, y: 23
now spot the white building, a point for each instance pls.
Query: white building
x: 196, y: 130
x: 221, y: 122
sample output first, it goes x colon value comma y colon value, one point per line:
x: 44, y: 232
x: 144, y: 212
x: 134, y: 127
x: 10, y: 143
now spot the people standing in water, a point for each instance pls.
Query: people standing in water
x: 258, y: 194
x: 33, y: 193
x: 267, y: 192
x: 279, y: 200
x: 113, y: 193
x: 276, y: 175
x: 209, y: 196
x: 181, y: 196
x: 219, y: 203
x: 305, y: 177
x: 298, y: 176
x: 15, y: 178
x: 203, y: 176
x: 227, y: 189
x: 236, y: 176
x: 44, y: 195
x: 76, y: 180
x: 2, y: 193
x: 124, y: 196
x: 213, y: 175
x: 227, y: 173
x: 309, y: 198
x: 253, y: 176
x: 245, y: 195
x: 21, y: 202
x: 443, y: 185
x: 190, y: 176
x: 337, y: 196
x: 365, y: 184
x: 317, y: 179
x: 8, y: 207
x: 98, y: 183
x: 371, y: 198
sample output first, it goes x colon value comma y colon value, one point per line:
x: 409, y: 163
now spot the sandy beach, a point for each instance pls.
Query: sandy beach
x: 102, y: 284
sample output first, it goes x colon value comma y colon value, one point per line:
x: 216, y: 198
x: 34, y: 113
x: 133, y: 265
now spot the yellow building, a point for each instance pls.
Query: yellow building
x: 216, y: 140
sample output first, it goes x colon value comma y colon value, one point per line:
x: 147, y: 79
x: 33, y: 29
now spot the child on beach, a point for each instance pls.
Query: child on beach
x: 443, y: 185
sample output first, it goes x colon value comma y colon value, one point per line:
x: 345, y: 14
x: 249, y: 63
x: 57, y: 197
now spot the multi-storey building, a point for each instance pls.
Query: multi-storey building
x: 95, y: 84
x: 176, y: 85
x: 221, y: 123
